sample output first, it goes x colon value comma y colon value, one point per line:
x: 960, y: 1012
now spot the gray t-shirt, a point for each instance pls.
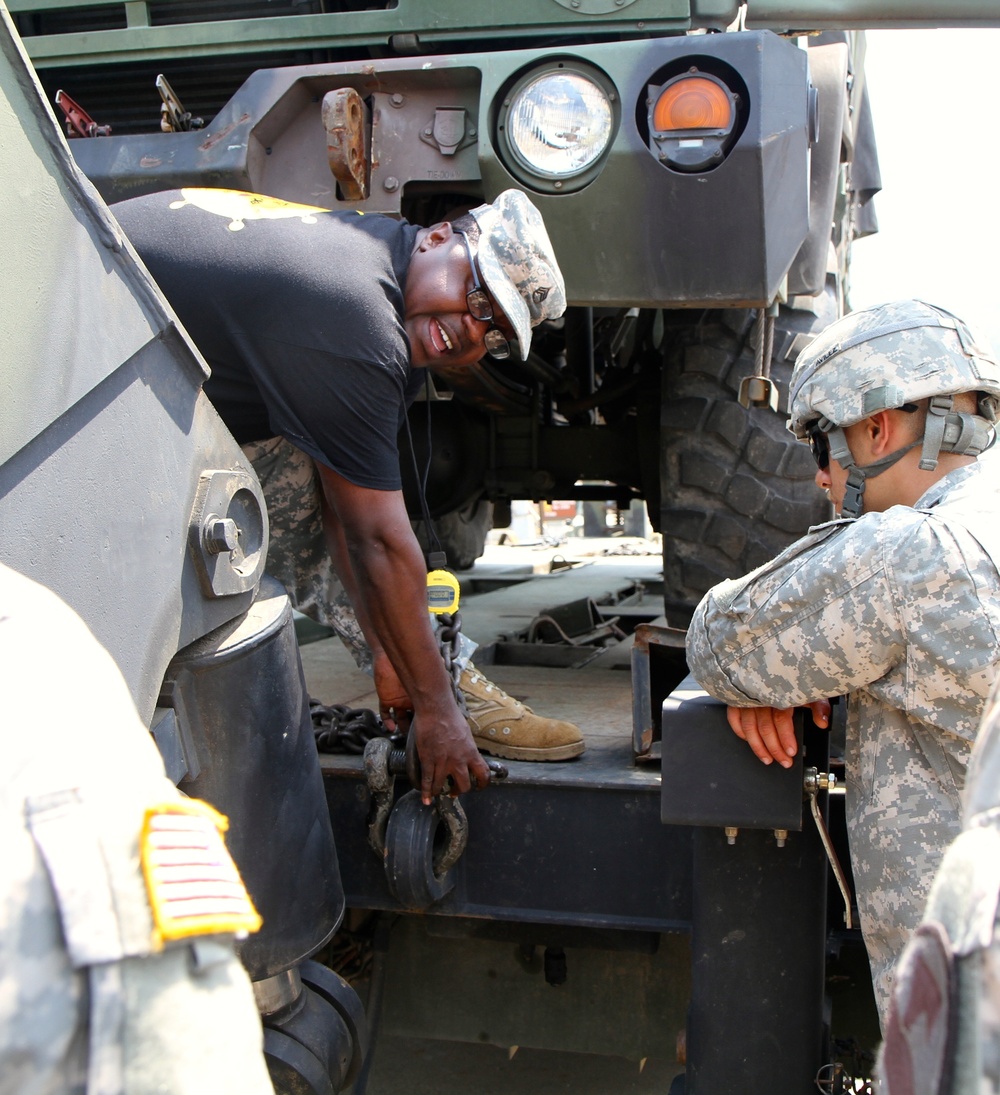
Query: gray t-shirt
x: 299, y: 313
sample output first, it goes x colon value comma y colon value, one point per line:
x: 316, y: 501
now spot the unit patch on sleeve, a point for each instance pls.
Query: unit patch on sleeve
x: 193, y: 884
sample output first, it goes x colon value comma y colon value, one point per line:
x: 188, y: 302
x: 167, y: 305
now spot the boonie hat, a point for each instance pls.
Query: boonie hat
x: 518, y: 264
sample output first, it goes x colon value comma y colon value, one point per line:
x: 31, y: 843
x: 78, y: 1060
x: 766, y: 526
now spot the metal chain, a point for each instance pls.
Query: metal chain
x: 341, y: 729
x: 449, y: 641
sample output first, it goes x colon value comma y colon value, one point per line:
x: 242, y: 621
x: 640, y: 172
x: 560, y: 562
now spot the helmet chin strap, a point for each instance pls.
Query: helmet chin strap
x: 857, y: 477
x: 944, y: 431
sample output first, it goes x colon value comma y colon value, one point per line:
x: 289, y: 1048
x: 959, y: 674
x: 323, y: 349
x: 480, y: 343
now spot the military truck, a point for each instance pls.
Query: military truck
x: 703, y: 168
x: 702, y: 178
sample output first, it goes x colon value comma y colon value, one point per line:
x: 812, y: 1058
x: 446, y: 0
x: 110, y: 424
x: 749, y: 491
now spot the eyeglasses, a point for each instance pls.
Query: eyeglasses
x: 820, y: 446
x: 481, y: 307
x: 819, y: 443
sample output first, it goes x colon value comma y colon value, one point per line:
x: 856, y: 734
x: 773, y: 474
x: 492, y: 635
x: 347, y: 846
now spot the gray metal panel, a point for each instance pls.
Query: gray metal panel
x: 69, y: 293
x: 712, y: 778
x: 639, y: 234
x: 105, y: 432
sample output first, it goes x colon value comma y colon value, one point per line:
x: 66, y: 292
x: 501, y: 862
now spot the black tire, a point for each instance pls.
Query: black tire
x: 462, y: 532
x: 736, y: 486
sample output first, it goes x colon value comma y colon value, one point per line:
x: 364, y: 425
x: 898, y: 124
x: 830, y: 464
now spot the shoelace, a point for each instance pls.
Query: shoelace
x: 491, y: 687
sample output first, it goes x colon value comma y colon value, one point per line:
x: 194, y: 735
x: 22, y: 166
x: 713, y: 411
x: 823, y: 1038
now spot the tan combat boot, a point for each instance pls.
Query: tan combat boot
x: 505, y: 727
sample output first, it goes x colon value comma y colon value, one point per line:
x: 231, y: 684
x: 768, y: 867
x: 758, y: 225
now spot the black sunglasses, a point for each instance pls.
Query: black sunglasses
x: 481, y: 307
x: 820, y: 446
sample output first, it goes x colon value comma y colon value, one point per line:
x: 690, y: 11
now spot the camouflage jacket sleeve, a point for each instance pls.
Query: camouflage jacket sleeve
x: 89, y: 998
x: 851, y: 604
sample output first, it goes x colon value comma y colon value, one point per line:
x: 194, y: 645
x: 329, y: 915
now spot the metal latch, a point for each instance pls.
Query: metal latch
x: 173, y: 117
x: 228, y: 532
x: 78, y: 122
x: 348, y: 128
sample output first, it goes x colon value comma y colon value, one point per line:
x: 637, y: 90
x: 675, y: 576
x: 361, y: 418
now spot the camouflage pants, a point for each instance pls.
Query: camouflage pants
x: 297, y: 554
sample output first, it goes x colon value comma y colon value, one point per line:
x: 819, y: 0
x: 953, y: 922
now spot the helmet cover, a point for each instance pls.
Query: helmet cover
x: 879, y: 358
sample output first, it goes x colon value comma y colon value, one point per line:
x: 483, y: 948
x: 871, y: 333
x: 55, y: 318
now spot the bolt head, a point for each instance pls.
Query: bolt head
x: 221, y: 535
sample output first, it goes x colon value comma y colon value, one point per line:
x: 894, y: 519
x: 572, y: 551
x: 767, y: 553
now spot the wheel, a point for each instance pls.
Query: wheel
x: 346, y: 1002
x: 294, y: 1070
x: 310, y: 1051
x: 736, y: 487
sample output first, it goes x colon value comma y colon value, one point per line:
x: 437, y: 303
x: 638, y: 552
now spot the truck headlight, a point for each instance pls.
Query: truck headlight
x: 692, y: 119
x: 556, y: 125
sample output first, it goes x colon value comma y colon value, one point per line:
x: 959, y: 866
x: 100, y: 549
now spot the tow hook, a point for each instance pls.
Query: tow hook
x: 405, y: 834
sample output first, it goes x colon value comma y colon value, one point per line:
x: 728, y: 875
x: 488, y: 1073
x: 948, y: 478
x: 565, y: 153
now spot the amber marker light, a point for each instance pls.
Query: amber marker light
x: 692, y: 120
x: 693, y: 102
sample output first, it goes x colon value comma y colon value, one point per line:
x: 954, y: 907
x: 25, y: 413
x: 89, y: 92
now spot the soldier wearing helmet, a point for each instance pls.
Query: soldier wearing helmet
x: 895, y: 602
x: 867, y: 363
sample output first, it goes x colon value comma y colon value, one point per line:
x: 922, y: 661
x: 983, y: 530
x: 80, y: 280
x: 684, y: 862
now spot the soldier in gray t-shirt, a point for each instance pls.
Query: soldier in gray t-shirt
x: 896, y: 603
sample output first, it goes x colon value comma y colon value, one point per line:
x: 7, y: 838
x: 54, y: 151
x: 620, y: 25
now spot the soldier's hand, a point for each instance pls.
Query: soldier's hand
x: 770, y: 731
x: 447, y: 752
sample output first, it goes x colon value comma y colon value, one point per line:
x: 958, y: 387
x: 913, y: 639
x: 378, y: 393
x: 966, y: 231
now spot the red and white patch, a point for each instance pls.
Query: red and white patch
x: 193, y: 884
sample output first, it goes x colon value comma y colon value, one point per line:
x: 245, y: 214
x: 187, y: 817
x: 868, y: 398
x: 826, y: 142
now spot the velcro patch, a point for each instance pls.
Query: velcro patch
x: 916, y: 1055
x: 193, y: 884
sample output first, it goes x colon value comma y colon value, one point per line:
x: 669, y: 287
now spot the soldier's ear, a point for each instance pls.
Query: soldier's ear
x: 436, y: 235
x: 881, y: 431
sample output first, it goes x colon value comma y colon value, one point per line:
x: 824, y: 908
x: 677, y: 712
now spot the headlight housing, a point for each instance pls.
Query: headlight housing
x: 692, y: 121
x: 556, y: 124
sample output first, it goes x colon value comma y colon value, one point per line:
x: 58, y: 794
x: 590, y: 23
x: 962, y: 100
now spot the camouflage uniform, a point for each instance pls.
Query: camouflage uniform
x: 943, y: 1033
x: 89, y: 1001
x: 297, y: 554
x: 899, y: 609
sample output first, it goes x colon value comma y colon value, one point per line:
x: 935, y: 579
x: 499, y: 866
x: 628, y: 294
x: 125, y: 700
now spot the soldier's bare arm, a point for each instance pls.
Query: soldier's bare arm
x: 395, y: 705
x: 389, y: 588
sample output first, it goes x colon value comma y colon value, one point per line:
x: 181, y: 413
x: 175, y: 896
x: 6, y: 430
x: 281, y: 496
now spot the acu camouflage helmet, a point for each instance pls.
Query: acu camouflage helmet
x: 518, y: 265
x: 894, y: 356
